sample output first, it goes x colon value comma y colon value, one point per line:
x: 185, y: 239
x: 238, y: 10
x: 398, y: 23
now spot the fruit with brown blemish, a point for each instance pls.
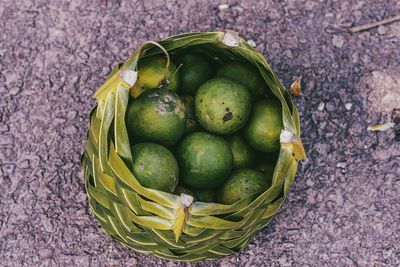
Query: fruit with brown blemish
x: 156, y: 116
x: 222, y: 106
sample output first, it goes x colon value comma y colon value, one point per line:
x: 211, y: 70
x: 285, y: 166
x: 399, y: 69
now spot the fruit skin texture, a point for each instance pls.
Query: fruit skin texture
x: 222, y: 106
x: 263, y: 130
x: 151, y: 73
x: 191, y: 124
x: 205, y: 160
x: 205, y: 195
x: 155, y: 167
x: 240, y: 184
x: 268, y: 171
x: 157, y: 116
x: 243, y: 154
x: 246, y: 75
x: 195, y: 70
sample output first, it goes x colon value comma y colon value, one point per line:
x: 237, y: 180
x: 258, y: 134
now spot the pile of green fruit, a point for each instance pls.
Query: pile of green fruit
x: 192, y: 147
x: 211, y: 130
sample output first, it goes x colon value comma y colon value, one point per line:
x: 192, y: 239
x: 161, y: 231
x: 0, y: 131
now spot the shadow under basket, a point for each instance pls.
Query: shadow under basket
x: 163, y: 224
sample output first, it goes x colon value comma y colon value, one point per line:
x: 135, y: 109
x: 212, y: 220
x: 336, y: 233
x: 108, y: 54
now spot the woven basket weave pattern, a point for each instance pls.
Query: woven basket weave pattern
x: 157, y: 222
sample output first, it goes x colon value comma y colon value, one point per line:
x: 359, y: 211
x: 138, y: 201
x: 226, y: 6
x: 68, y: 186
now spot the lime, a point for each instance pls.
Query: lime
x: 246, y: 75
x: 267, y: 169
x: 263, y: 130
x: 191, y: 124
x: 155, y: 167
x: 205, y: 160
x: 157, y: 116
x: 205, y: 195
x: 195, y: 70
x: 241, y: 184
x: 222, y: 106
x: 243, y: 154
x: 151, y: 75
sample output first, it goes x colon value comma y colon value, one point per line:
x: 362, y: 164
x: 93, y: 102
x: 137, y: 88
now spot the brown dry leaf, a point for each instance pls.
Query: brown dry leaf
x: 380, y: 127
x: 295, y: 88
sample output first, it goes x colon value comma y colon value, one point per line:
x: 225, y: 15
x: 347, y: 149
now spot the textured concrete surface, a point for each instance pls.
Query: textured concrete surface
x: 343, y: 210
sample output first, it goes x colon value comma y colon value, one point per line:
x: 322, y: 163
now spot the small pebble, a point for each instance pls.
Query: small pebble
x: 131, y: 262
x: 24, y: 164
x: 252, y: 43
x: 223, y: 6
x: 321, y: 106
x: 382, y: 30
x: 341, y: 165
x: 348, y: 106
x: 338, y: 41
x: 15, y: 90
x: 71, y: 130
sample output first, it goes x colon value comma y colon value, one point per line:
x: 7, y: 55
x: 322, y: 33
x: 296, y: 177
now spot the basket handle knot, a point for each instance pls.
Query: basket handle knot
x: 181, y: 214
x: 230, y: 38
x: 287, y: 138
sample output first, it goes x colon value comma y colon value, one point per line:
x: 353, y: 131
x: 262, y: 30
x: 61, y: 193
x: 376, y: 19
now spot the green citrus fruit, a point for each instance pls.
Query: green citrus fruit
x: 241, y: 184
x: 181, y: 189
x: 205, y: 195
x: 205, y: 160
x: 222, y: 106
x: 151, y: 74
x: 263, y: 130
x: 191, y: 124
x: 195, y: 70
x: 157, y: 116
x: 155, y: 167
x: 267, y: 169
x: 243, y: 154
x: 246, y: 75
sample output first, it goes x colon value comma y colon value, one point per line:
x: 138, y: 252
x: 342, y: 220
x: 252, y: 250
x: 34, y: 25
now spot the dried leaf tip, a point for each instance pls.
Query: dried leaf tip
x: 231, y: 38
x: 295, y: 88
x: 380, y: 127
x: 289, y: 138
x: 129, y: 76
x: 182, y: 211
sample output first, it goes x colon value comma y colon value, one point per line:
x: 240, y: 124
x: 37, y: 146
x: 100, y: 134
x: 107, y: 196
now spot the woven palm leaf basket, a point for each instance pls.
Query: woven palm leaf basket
x: 164, y: 224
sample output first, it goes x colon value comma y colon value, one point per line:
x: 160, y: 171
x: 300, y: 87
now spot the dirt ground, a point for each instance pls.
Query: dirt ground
x: 344, y: 207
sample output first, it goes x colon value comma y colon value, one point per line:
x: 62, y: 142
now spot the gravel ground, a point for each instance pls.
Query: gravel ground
x: 344, y: 208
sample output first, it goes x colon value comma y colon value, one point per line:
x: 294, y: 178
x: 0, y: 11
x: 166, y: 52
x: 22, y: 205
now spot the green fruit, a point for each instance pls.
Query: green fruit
x: 241, y: 184
x: 263, y: 130
x: 151, y: 74
x: 157, y: 116
x: 246, y: 75
x: 205, y: 195
x: 268, y: 170
x: 205, y: 160
x: 155, y: 167
x: 191, y: 124
x: 195, y: 70
x: 222, y: 106
x: 243, y: 154
x: 183, y: 190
